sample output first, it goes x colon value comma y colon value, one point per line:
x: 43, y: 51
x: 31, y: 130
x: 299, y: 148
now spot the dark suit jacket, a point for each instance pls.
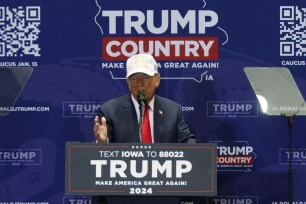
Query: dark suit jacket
x: 122, y: 123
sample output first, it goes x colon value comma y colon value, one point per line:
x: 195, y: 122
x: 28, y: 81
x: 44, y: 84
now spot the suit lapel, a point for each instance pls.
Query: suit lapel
x: 158, y: 121
x: 130, y: 119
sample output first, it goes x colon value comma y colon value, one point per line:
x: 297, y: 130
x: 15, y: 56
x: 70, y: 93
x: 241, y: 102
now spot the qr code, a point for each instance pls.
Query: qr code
x: 292, y: 31
x: 19, y: 31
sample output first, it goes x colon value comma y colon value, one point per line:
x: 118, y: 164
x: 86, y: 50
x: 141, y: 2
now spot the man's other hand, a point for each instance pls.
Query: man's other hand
x: 100, y: 130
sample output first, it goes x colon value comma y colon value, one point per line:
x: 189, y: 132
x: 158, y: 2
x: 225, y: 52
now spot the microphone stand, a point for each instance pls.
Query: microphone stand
x: 141, y: 98
x: 290, y: 188
x: 141, y: 111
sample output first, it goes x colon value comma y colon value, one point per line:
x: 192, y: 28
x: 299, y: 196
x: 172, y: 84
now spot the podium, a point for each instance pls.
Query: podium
x: 129, y: 169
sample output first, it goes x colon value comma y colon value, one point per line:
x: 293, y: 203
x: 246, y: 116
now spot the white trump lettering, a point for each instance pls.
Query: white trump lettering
x: 135, y: 19
x: 98, y: 164
x: 157, y: 167
x: 120, y: 168
x: 182, y: 166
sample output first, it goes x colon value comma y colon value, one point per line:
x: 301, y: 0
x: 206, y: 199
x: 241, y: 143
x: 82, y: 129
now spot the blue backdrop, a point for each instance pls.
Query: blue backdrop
x: 69, y: 45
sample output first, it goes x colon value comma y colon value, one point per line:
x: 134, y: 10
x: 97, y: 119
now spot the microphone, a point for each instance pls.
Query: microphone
x: 141, y: 98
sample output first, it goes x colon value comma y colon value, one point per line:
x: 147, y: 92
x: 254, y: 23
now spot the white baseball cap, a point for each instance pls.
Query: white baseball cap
x: 143, y: 63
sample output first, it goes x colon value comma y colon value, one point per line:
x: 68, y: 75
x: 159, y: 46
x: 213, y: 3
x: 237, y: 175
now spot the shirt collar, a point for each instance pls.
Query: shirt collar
x: 136, y: 105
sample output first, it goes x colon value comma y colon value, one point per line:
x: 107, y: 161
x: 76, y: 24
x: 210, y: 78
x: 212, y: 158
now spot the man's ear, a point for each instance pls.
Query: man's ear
x: 157, y: 80
x: 128, y: 84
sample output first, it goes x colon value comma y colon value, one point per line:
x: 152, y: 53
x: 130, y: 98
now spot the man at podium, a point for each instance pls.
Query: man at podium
x: 141, y: 116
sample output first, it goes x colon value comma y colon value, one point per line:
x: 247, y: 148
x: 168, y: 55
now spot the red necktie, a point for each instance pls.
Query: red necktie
x: 146, y: 129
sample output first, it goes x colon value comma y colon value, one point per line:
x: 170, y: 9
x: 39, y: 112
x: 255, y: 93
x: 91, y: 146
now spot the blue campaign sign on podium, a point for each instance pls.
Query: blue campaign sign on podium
x: 77, y: 52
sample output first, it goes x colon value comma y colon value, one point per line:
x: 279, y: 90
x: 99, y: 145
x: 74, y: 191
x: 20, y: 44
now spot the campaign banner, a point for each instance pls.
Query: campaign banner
x: 141, y: 170
x: 61, y: 60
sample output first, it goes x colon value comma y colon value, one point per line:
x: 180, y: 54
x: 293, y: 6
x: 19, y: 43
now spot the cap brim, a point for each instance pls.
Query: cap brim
x: 141, y: 70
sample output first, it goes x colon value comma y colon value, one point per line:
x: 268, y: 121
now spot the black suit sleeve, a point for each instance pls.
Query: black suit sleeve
x: 184, y: 133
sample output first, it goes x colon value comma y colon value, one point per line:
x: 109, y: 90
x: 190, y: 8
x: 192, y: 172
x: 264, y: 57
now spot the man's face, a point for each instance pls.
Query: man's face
x: 143, y: 82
